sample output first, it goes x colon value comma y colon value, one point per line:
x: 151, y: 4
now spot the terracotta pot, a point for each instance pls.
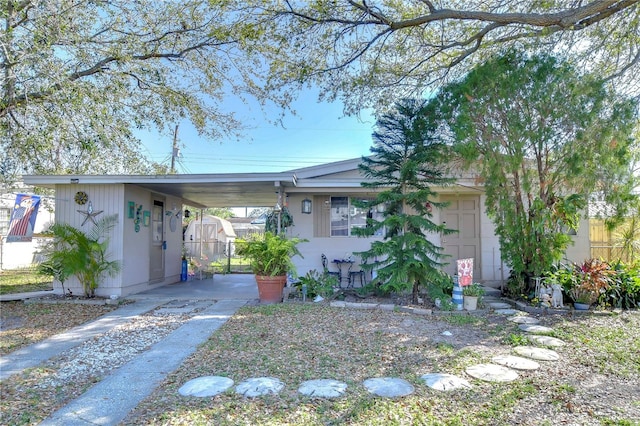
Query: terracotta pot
x: 270, y: 288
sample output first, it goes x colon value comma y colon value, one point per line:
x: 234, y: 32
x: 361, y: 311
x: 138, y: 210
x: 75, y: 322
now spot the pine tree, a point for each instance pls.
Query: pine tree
x: 408, y: 159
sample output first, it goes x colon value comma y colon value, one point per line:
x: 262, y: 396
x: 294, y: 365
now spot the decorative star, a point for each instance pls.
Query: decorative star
x: 89, y: 214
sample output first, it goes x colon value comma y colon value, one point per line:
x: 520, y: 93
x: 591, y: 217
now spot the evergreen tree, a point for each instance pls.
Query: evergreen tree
x: 407, y: 160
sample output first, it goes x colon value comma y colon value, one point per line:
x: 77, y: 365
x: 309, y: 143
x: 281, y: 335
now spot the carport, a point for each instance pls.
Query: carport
x: 147, y: 239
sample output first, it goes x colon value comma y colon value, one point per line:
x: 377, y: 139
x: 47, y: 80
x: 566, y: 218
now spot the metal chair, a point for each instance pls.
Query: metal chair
x: 359, y: 274
x: 325, y: 268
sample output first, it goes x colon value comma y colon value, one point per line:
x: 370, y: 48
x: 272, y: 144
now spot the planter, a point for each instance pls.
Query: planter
x: 470, y: 303
x: 270, y: 288
x: 581, y: 306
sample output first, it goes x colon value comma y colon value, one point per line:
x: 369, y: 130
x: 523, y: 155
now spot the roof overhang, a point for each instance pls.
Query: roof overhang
x: 200, y: 190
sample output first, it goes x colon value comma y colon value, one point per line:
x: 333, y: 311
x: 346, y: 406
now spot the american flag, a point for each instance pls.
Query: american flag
x: 23, y: 218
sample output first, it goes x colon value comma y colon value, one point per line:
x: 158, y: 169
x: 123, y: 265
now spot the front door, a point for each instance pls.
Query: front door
x: 462, y: 214
x: 156, y: 263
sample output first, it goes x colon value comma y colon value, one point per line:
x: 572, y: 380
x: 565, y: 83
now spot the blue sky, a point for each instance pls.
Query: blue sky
x: 318, y: 133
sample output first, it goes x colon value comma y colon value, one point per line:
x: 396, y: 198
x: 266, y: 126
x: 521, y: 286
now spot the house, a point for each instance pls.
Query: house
x: 148, y: 238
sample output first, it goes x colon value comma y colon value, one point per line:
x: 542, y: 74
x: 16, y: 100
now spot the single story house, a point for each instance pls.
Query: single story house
x: 149, y: 240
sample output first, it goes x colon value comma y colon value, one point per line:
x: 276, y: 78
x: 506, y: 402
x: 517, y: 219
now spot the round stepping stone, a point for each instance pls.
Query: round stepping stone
x: 535, y: 328
x: 259, y: 386
x: 546, y: 340
x: 205, y: 386
x: 521, y: 319
x: 323, y: 388
x: 540, y: 354
x: 499, y: 305
x: 516, y: 362
x: 389, y: 387
x: 492, y: 373
x: 506, y: 311
x: 445, y: 382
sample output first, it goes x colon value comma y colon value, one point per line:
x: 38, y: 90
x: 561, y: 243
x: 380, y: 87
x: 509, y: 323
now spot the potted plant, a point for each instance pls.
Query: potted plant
x: 472, y: 295
x: 270, y: 259
x: 592, y: 279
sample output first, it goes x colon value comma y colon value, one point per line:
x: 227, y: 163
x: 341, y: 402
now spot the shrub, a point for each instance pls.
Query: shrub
x: 624, y: 289
x: 318, y: 284
x: 616, y: 285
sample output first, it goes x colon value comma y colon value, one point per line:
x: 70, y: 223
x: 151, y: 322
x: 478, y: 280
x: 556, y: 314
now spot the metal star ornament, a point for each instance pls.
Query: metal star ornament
x: 89, y: 214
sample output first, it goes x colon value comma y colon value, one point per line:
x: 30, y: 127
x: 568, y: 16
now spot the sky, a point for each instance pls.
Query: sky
x: 317, y: 134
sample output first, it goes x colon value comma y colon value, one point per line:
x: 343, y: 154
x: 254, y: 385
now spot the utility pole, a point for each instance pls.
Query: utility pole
x: 175, y: 151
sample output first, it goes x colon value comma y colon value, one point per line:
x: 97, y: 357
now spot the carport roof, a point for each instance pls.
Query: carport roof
x: 198, y: 190
x: 223, y: 190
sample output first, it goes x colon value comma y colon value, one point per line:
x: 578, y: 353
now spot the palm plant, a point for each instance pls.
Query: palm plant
x: 84, y: 255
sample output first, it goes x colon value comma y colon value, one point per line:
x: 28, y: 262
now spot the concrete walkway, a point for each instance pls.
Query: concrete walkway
x: 110, y: 400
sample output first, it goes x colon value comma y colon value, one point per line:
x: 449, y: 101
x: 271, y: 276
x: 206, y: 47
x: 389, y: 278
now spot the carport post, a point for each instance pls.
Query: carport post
x: 201, y: 231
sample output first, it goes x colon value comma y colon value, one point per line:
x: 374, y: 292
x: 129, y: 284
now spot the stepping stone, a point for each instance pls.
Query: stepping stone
x: 516, y: 362
x: 492, y: 373
x: 506, y: 311
x: 323, y: 388
x: 522, y: 319
x: 546, y: 340
x: 535, y: 328
x: 205, y: 386
x: 259, y: 386
x: 540, y: 354
x: 445, y: 382
x: 499, y: 305
x: 389, y: 387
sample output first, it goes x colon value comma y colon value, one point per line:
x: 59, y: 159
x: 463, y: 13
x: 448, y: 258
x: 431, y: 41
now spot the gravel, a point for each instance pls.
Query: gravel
x: 64, y: 377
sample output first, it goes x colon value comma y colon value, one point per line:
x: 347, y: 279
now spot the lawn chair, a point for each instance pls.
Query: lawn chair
x: 357, y: 275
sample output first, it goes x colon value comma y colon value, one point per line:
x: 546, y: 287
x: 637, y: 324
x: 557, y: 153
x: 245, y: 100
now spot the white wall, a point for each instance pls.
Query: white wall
x: 105, y: 198
x: 581, y: 248
x: 131, y: 248
x: 137, y: 245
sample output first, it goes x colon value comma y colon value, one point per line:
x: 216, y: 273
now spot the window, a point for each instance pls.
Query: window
x: 5, y: 216
x: 345, y: 216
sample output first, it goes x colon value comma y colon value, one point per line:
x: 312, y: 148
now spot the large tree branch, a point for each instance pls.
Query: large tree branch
x: 101, y: 66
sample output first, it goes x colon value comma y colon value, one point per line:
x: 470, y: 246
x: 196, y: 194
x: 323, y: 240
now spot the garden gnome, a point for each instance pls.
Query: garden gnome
x: 556, y: 296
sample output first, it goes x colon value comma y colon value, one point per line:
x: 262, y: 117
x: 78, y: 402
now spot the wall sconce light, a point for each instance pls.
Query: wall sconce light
x: 306, y: 206
x: 187, y: 213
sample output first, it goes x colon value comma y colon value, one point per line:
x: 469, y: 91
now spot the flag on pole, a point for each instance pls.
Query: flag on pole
x: 23, y: 218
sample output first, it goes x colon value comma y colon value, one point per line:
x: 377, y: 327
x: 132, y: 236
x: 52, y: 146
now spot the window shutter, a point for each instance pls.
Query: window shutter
x: 321, y: 210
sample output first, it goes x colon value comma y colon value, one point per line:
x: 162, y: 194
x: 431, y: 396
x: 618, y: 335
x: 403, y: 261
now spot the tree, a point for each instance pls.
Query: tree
x: 543, y: 137
x: 84, y: 255
x: 407, y: 161
x: 379, y: 51
x: 79, y: 77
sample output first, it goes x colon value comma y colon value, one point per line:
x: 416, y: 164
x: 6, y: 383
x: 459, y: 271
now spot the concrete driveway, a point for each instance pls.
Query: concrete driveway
x: 220, y: 287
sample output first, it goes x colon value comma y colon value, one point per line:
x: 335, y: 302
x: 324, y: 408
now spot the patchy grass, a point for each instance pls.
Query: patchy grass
x: 301, y: 342
x: 23, y: 280
x: 298, y: 342
x: 25, y: 324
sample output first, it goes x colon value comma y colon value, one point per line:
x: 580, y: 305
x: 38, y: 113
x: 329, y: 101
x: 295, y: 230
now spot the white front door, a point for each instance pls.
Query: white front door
x: 156, y: 263
x: 462, y: 214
